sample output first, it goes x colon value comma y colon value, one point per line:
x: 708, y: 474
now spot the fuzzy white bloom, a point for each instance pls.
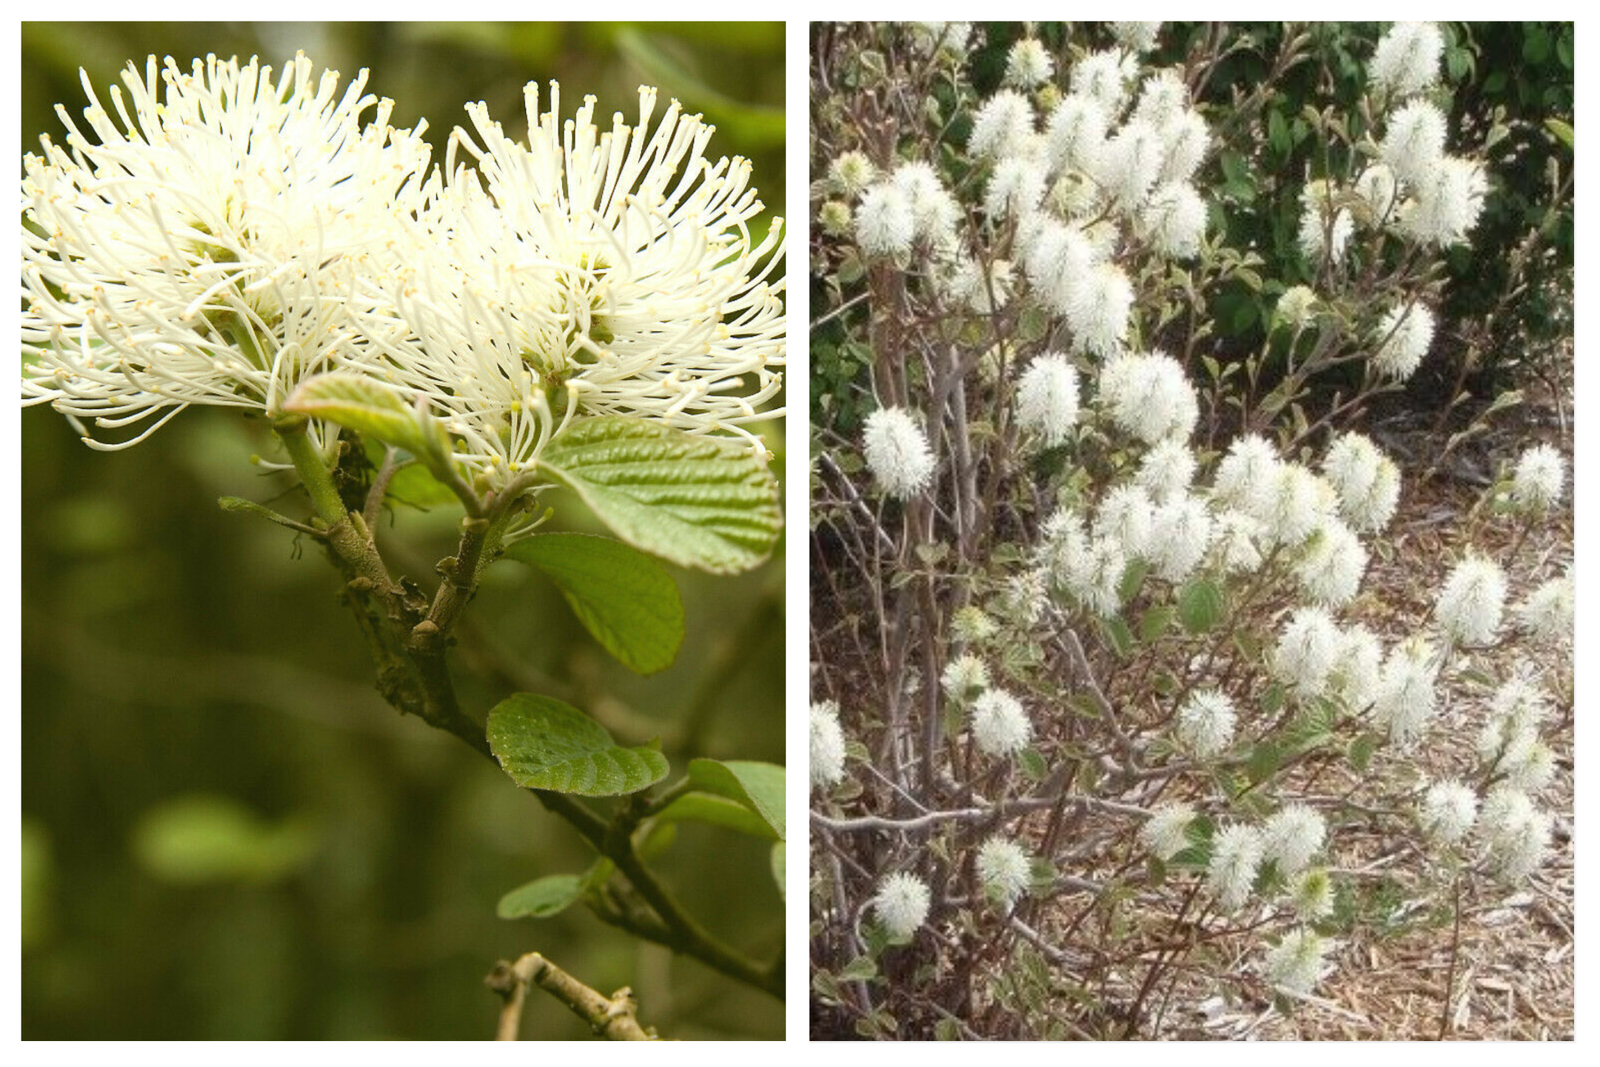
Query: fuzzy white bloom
x: 1297, y: 963
x: 1367, y: 481
x: 964, y: 677
x: 1447, y: 203
x: 1307, y: 651
x: 1075, y: 133
x: 1187, y: 140
x: 204, y: 248
x: 1062, y: 540
x: 1311, y: 895
x: 1005, y: 871
x: 1094, y: 578
x: 1166, y: 832
x: 1055, y: 261
x: 1124, y: 517
x: 1002, y: 126
x: 1447, y: 811
x: 1098, y: 313
x: 1413, y: 144
x: 1149, y: 396
x: 1291, y: 836
x: 1233, y: 543
x: 1406, y: 61
x: 1515, y: 834
x: 948, y: 38
x: 1047, y: 398
x: 1323, y: 231
x: 1206, y: 723
x: 1028, y: 64
x: 852, y: 173
x: 1358, y: 667
x: 1136, y: 36
x: 972, y: 625
x: 1539, y: 479
x: 1295, y: 505
x: 1403, y: 336
x: 1546, y: 614
x: 1167, y: 470
x: 1015, y: 188
x: 897, y: 453
x: 1509, y: 743
x: 1472, y: 601
x: 1000, y: 726
x: 1246, y: 476
x: 1378, y: 186
x: 1163, y: 98
x: 1175, y: 219
x: 1334, y: 562
x: 1297, y: 307
x: 827, y: 745
x: 966, y: 284
x: 885, y: 225
x: 901, y: 904
x: 1235, y: 861
x: 1406, y: 697
x: 1026, y: 598
x: 599, y: 271
x: 934, y: 212
x: 1129, y: 166
x: 1104, y: 77
x: 1180, y: 534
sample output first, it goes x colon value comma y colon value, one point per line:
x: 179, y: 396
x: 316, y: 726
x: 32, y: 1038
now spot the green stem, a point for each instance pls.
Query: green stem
x: 308, y: 463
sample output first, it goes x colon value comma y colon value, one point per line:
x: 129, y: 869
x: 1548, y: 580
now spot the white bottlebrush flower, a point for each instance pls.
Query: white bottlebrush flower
x: 1099, y: 311
x: 1406, y: 61
x: 884, y: 223
x: 1028, y: 64
x: 1002, y: 126
x: 1166, y: 832
x: 949, y: 38
x: 1323, y: 231
x: 972, y: 625
x: 1187, y: 140
x: 1000, y: 726
x: 901, y: 904
x: 897, y: 453
x: 1247, y: 475
x: 1047, y: 398
x: 1380, y: 189
x: 1026, y: 597
x: 1205, y: 723
x: 935, y: 214
x: 1533, y: 769
x: 827, y: 745
x: 1406, y: 697
x: 1402, y: 338
x: 1175, y: 219
x: 1546, y: 614
x: 1075, y: 133
x: 852, y: 173
x: 1311, y: 895
x: 1516, y: 835
x: 1055, y: 260
x: 1539, y: 479
x: 1447, y: 811
x: 1163, y: 98
x: 1367, y: 481
x: 1094, y: 578
x: 1472, y: 601
x: 1180, y: 534
x: 1297, y: 963
x: 1136, y: 36
x: 1295, y: 504
x: 1358, y: 667
x: 1307, y: 651
x: 1104, y: 77
x: 1235, y: 861
x: 1446, y: 202
x: 204, y: 248
x: 1297, y: 307
x: 1167, y: 470
x: 1413, y: 143
x: 1291, y: 836
x: 1509, y: 744
x: 1333, y: 563
x: 964, y: 677
x: 1005, y: 871
x: 1129, y: 165
x: 836, y: 219
x: 1015, y: 188
x: 1062, y: 542
x: 1233, y: 543
x: 1124, y: 517
x: 1149, y: 396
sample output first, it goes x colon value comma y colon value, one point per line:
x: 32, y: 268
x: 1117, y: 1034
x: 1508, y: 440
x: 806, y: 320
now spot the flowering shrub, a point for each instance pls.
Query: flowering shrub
x: 1115, y: 683
x: 578, y: 321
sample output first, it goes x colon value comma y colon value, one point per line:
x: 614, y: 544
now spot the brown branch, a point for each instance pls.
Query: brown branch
x: 613, y: 1018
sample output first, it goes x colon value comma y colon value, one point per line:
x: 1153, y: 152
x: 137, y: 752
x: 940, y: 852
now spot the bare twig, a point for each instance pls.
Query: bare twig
x: 613, y: 1018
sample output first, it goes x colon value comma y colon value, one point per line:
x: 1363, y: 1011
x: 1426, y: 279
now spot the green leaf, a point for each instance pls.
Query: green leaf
x: 545, y: 744
x: 1154, y: 622
x: 1117, y: 635
x: 362, y: 405
x: 625, y: 599
x: 696, y: 501
x: 860, y: 969
x: 1561, y: 130
x: 779, y: 867
x: 1361, y: 750
x: 757, y: 786
x: 199, y: 838
x: 542, y: 897
x: 747, y: 123
x: 717, y: 811
x: 1200, y: 605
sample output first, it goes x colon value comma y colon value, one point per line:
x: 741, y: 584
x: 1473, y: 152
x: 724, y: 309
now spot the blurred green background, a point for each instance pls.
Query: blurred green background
x: 225, y: 832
